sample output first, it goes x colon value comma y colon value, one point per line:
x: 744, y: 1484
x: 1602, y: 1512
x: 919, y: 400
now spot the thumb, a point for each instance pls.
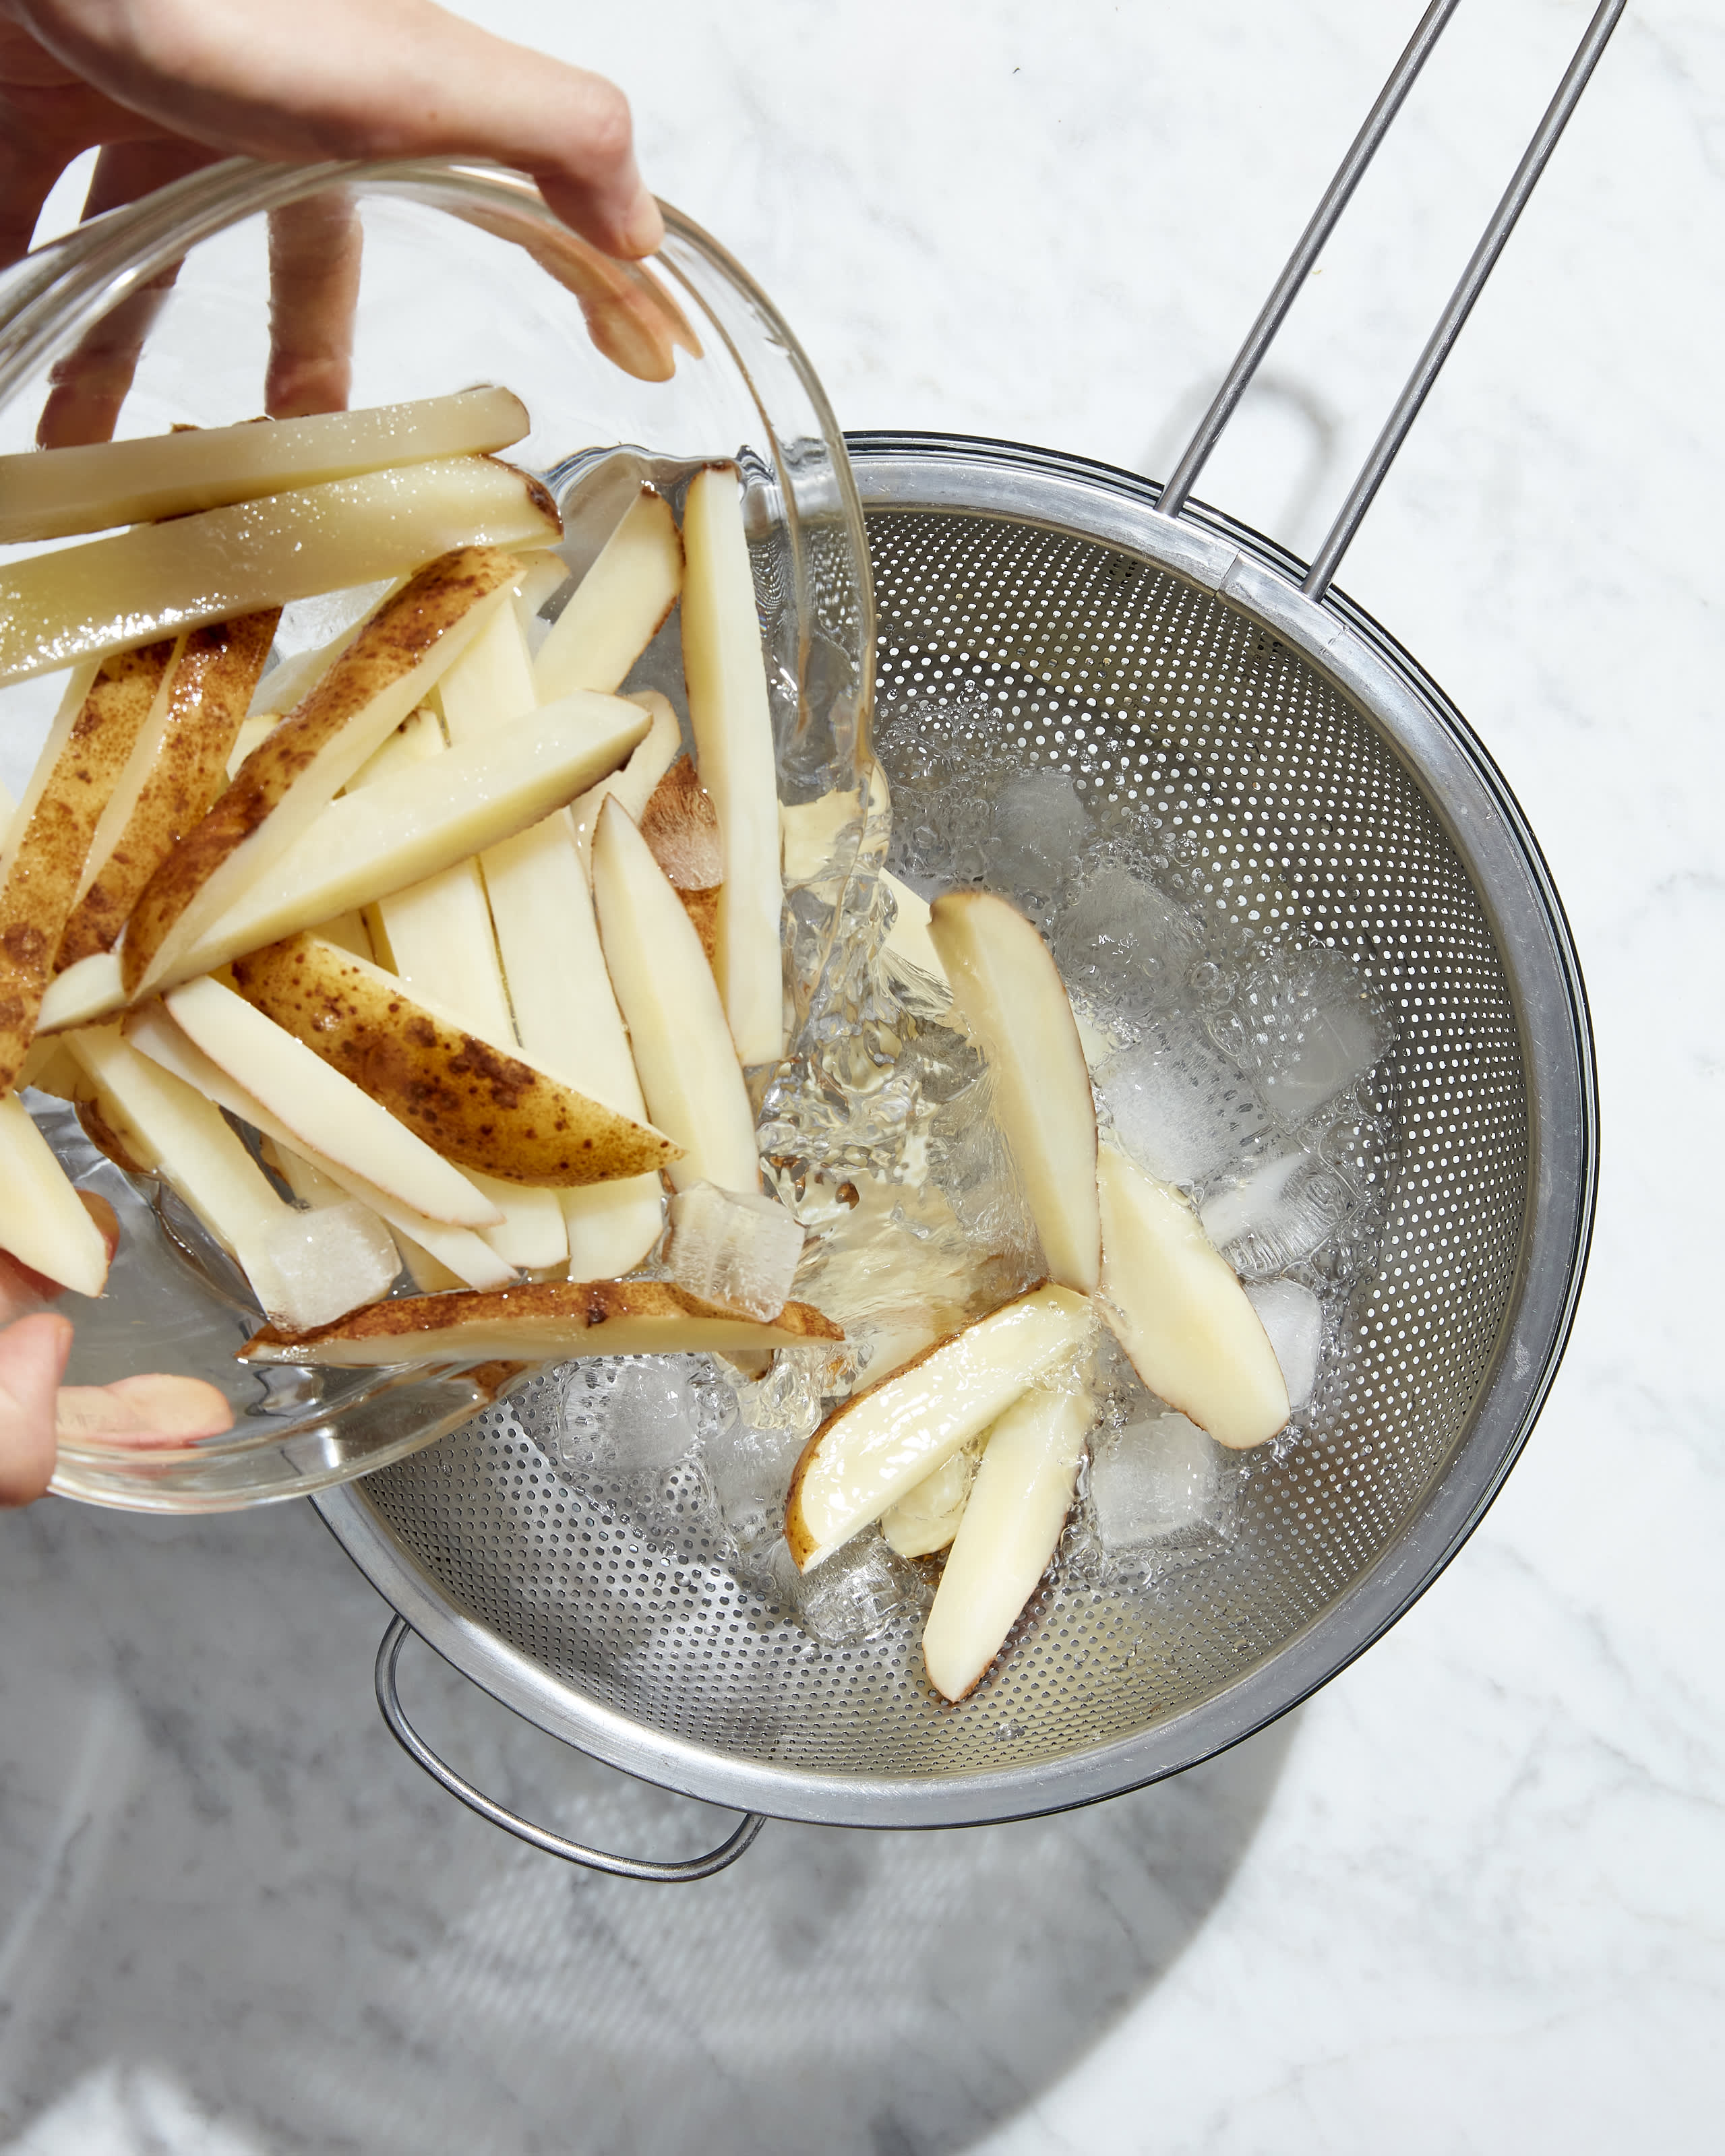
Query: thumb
x: 33, y: 1354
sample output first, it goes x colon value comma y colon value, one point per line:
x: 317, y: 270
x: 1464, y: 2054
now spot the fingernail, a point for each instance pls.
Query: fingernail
x: 643, y: 228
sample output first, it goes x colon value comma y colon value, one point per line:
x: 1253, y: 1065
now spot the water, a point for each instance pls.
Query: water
x: 734, y: 1248
x: 1231, y: 1059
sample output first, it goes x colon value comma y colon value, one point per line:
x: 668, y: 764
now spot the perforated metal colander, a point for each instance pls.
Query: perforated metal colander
x: 1173, y: 663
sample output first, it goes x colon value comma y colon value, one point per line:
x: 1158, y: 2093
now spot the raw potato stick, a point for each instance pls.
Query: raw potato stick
x: 566, y: 1014
x: 653, y: 756
x: 84, y: 602
x: 618, y: 607
x: 84, y: 758
x: 1012, y: 1000
x: 544, y: 1321
x: 51, y: 494
x: 440, y: 942
x: 419, y: 818
x: 732, y: 720
x: 328, y: 1114
x: 476, y: 1103
x: 882, y: 1442
x: 177, y: 766
x: 43, y: 1221
x: 1011, y: 1528
x: 1181, y: 1315
x: 318, y: 747
x: 154, y: 1034
x: 688, y: 1068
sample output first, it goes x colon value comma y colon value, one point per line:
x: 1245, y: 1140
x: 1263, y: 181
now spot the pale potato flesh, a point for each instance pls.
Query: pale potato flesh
x: 545, y: 1321
x: 479, y: 1104
x: 43, y: 1221
x: 51, y: 494
x: 298, y: 767
x: 326, y: 1112
x: 84, y: 602
x: 1180, y: 1313
x: 632, y: 785
x: 725, y: 670
x: 879, y: 1445
x: 1010, y: 1530
x: 468, y: 1258
x: 85, y: 757
x: 1006, y: 988
x: 926, y: 1519
x: 688, y: 1071
x: 618, y: 607
x: 177, y: 766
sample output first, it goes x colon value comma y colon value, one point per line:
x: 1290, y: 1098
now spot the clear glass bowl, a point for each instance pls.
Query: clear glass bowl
x: 628, y: 371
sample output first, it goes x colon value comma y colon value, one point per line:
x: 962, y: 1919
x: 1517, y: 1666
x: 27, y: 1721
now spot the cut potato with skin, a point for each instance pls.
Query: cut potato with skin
x: 325, y: 1111
x: 480, y: 1105
x: 410, y: 824
x: 43, y: 1221
x: 565, y: 1011
x: 296, y: 770
x: 1006, y: 989
x: 252, y: 731
x: 439, y: 940
x: 469, y: 1258
x: 926, y: 1519
x: 632, y: 786
x: 688, y: 1068
x: 883, y: 1442
x: 1179, y: 1312
x: 543, y: 1322
x: 51, y: 494
x: 85, y: 757
x: 177, y: 766
x: 85, y: 602
x: 165, y: 1127
x: 726, y: 672
x: 618, y: 607
x: 1010, y: 1529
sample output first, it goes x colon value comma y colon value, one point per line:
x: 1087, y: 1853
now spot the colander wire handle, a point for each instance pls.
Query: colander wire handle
x: 553, y: 1845
x: 1299, y: 264
x: 1442, y: 339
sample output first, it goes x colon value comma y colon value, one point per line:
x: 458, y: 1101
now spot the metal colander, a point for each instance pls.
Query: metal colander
x: 1173, y: 664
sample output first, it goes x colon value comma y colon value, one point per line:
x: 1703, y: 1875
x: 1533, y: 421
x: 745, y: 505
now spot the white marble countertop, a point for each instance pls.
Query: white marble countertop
x: 1472, y: 1896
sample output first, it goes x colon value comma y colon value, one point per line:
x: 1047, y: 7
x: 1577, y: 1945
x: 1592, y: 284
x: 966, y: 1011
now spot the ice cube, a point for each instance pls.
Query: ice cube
x: 1155, y: 1478
x: 750, y: 1471
x: 1275, y: 1211
x: 1178, y: 1109
x: 1304, y: 1028
x: 1294, y: 1318
x: 634, y: 1414
x: 1123, y: 944
x: 1040, y: 830
x: 861, y: 1590
x: 733, y: 1247
x: 315, y: 1266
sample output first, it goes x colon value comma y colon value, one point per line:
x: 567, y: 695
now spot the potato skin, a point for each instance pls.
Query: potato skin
x: 392, y: 643
x: 211, y: 689
x: 478, y: 1106
x: 417, y: 1321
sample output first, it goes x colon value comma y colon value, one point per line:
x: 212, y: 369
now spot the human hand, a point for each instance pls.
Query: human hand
x: 36, y: 1410
x: 164, y: 87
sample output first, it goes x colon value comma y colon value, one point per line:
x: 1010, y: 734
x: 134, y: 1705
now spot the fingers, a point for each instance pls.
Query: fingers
x: 89, y: 384
x: 366, y: 79
x: 33, y: 1354
x: 155, y: 1409
x: 314, y: 290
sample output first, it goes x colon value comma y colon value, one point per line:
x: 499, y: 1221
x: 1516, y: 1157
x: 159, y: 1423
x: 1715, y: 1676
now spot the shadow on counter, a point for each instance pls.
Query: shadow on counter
x: 234, y: 1919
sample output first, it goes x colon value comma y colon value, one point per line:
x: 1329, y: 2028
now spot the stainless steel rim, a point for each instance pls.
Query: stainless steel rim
x: 902, y: 472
